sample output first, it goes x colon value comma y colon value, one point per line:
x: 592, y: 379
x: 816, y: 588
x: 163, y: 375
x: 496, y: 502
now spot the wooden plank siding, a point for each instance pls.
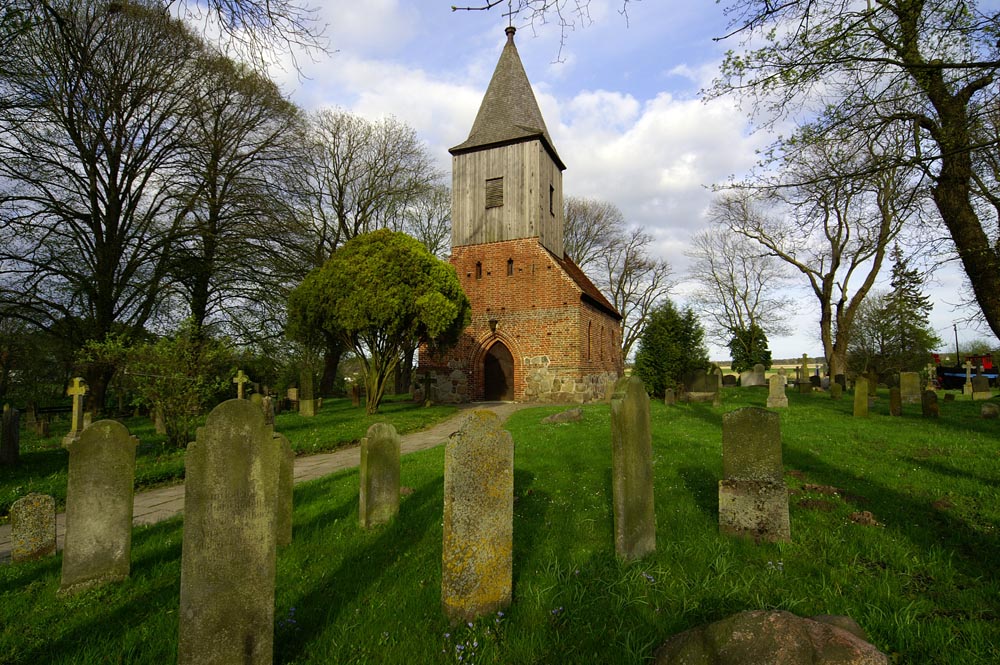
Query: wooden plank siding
x: 528, y: 172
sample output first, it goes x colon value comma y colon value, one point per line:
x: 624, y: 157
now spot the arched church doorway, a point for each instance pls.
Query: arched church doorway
x: 498, y: 374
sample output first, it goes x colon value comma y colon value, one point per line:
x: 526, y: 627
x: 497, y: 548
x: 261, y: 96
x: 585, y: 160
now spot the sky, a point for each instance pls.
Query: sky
x: 620, y: 99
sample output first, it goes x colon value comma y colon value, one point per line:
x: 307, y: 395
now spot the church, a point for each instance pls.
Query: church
x: 540, y: 330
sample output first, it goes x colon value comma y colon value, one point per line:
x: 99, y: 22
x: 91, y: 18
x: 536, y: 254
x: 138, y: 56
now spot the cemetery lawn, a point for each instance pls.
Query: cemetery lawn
x: 918, y: 570
x: 44, y: 461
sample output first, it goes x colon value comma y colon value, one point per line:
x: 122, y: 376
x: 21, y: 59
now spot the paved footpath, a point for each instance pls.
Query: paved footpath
x: 159, y: 504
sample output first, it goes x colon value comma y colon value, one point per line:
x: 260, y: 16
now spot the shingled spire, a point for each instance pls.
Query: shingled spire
x: 509, y: 112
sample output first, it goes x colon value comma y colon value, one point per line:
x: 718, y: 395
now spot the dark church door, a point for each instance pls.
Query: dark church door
x: 498, y: 371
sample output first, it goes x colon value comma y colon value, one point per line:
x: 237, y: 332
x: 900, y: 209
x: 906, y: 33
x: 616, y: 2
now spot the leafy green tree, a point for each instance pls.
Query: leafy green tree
x: 671, y: 344
x: 379, y: 292
x: 748, y: 348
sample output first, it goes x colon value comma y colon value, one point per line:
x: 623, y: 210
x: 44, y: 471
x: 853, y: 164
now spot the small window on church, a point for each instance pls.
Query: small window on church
x: 479, y: 270
x: 552, y: 200
x: 510, y: 267
x: 494, y: 192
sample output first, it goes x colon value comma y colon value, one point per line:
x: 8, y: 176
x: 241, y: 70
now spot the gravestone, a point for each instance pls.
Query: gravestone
x: 31, y: 416
x: 753, y: 500
x: 231, y: 486
x: 99, y: 498
x: 895, y: 401
x: 861, y: 397
x: 267, y: 405
x: 981, y: 388
x: 293, y: 399
x: 872, y: 384
x: 356, y: 395
x: 716, y: 384
x: 257, y: 399
x: 307, y: 403
x: 632, y: 470
x: 32, y: 528
x: 10, y: 437
x: 478, y: 527
x: 929, y: 404
x: 909, y: 387
x: 286, y: 486
x: 758, y: 377
x: 240, y: 380
x: 776, y: 397
x: 949, y: 397
x: 669, y: 397
x: 159, y: 423
x: 42, y: 428
x: 378, y: 500
x: 841, y: 379
x: 967, y: 388
x: 77, y: 389
x: 836, y: 391
x: 989, y: 411
x: 931, y: 370
x: 729, y: 380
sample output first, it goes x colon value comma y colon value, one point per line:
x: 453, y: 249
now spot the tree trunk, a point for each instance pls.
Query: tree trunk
x: 331, y: 361
x: 404, y: 375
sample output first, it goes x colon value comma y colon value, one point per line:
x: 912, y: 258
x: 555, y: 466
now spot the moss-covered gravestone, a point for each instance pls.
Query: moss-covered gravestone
x: 909, y: 387
x: 286, y: 487
x: 228, y: 556
x: 632, y: 470
x: 32, y: 528
x: 753, y: 500
x: 861, y: 397
x: 99, y: 493
x: 478, y: 533
x: 378, y: 500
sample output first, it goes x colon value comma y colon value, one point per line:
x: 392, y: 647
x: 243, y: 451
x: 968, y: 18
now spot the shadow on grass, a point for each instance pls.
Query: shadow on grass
x: 530, y: 508
x: 912, y: 518
x: 952, y: 472
x: 703, y: 487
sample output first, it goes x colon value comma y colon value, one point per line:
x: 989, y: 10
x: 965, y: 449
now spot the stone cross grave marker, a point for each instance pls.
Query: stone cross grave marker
x: 776, y: 397
x: 632, y: 470
x: 378, y: 499
x: 478, y: 530
x: 99, y: 494
x: 10, y: 437
x: 286, y: 487
x: 228, y: 554
x: 861, y: 397
x: 307, y: 402
x: 909, y: 387
x: 753, y: 499
x: 981, y: 388
x: 76, y: 390
x: 805, y: 386
x: 240, y: 380
x: 931, y: 376
x: 895, y: 401
x: 32, y: 528
x: 967, y: 388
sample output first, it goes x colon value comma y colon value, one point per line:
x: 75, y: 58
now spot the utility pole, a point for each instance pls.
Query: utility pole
x: 958, y: 360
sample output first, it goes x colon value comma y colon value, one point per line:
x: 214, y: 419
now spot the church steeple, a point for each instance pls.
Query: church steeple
x: 509, y: 112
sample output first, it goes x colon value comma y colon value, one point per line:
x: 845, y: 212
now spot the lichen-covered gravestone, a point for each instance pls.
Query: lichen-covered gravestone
x: 909, y: 387
x: 753, y: 500
x: 32, y: 528
x: 378, y: 499
x: 286, y: 487
x: 632, y: 470
x: 861, y: 397
x: 99, y: 493
x: 10, y: 437
x: 478, y: 533
x: 776, y: 397
x: 228, y: 554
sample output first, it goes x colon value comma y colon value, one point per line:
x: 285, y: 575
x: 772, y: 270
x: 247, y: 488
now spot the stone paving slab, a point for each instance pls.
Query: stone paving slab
x: 159, y: 504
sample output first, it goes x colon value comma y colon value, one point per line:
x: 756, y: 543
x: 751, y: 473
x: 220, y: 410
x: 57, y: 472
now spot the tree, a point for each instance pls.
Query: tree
x: 739, y: 288
x: 378, y: 293
x: 96, y: 107
x: 672, y: 344
x: 926, y: 71
x: 428, y: 219
x: 748, y: 348
x: 826, y: 227
x: 617, y: 258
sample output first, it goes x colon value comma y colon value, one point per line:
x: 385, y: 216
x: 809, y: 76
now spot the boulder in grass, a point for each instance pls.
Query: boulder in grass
x: 773, y: 637
x: 571, y: 416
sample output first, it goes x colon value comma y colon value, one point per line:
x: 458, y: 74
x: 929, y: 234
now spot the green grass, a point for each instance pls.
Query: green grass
x: 44, y: 462
x: 924, y: 583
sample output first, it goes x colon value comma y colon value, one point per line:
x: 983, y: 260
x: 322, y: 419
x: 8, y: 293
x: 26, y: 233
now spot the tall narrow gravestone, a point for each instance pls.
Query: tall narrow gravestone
x: 967, y: 387
x: 632, y: 470
x: 753, y: 500
x: 776, y: 397
x: 895, y: 401
x: 228, y: 553
x: 909, y: 387
x: 99, y: 507
x: 32, y: 528
x: 478, y: 533
x: 286, y: 490
x: 378, y: 500
x: 861, y: 397
x: 307, y: 402
x: 10, y: 437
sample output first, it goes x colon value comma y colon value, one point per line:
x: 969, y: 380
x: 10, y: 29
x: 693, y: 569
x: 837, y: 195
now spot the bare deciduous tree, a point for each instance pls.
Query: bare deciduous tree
x: 428, y: 219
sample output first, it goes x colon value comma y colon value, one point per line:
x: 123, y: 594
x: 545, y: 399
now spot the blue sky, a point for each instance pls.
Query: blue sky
x: 621, y: 103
